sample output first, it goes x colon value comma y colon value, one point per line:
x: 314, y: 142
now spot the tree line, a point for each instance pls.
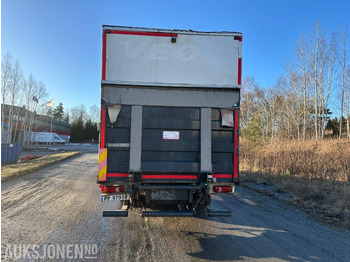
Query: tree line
x: 315, y: 82
x: 20, y: 93
x: 83, y: 123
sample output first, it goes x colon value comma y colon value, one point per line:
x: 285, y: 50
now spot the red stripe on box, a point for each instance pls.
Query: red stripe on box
x: 142, y: 33
x: 239, y: 71
x: 117, y: 175
x: 104, y: 54
x: 103, y: 127
x: 235, y: 157
x: 222, y: 175
x: 169, y: 177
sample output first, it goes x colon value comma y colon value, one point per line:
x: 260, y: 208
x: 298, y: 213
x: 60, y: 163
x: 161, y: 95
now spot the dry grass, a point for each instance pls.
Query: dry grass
x: 15, y: 170
x: 315, y: 173
x: 327, y: 159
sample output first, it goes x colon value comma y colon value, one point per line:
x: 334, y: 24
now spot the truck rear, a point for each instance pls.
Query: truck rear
x: 169, y: 119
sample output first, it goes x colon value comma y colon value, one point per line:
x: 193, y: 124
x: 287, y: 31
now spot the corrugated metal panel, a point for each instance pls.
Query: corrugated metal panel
x: 10, y: 153
x: 118, y: 132
x: 222, y: 145
x: 162, y: 156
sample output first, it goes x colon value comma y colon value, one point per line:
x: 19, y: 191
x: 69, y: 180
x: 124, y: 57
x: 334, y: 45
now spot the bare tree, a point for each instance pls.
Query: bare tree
x: 17, y: 94
x: 318, y: 57
x: 6, y: 75
x: 13, y: 91
x: 94, y: 113
x: 331, y: 71
x: 293, y: 104
x: 248, y: 100
x: 30, y: 86
x: 298, y: 106
x: 315, y: 42
x: 18, y: 109
x: 39, y: 92
x: 343, y: 63
x: 301, y: 64
x: 268, y: 107
x: 77, y: 112
x: 67, y: 115
x: 347, y: 101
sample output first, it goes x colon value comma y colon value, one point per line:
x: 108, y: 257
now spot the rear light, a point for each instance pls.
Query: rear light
x: 223, y: 189
x: 112, y: 189
x: 238, y: 37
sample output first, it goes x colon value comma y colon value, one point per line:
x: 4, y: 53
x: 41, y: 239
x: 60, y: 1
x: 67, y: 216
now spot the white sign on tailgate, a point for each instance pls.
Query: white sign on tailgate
x: 200, y: 60
x: 171, y: 135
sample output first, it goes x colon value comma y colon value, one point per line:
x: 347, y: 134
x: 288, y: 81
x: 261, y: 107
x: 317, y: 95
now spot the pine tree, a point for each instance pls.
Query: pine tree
x: 58, y: 112
x: 90, y: 130
x: 77, y: 130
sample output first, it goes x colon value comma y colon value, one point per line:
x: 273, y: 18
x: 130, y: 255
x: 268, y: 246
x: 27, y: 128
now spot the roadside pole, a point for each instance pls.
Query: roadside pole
x: 51, y: 127
x: 50, y: 104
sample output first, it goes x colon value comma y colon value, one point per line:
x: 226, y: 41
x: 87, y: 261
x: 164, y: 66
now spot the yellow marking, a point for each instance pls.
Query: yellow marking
x: 102, y: 172
x: 103, y: 156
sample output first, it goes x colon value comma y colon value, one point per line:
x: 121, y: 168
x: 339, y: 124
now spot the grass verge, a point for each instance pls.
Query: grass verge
x: 12, y: 171
x: 315, y: 173
x: 324, y: 159
x: 326, y: 201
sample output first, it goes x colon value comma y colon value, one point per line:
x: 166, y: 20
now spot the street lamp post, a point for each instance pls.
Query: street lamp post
x: 50, y: 104
x: 51, y: 128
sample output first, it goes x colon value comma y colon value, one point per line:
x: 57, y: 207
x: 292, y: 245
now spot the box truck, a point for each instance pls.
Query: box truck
x: 169, y: 131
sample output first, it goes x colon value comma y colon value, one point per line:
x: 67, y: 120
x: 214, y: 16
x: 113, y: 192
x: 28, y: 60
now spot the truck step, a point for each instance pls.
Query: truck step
x: 167, y: 214
x: 122, y: 213
x: 215, y: 213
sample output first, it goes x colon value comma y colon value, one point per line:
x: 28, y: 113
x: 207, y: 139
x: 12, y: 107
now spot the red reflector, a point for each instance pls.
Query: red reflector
x: 223, y: 189
x: 112, y: 189
x: 239, y: 38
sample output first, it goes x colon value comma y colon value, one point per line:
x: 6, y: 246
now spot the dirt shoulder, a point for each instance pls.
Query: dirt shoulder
x: 325, y: 201
x: 12, y: 171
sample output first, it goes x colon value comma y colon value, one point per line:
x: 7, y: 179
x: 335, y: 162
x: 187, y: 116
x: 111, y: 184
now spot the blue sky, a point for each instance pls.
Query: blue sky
x: 59, y: 41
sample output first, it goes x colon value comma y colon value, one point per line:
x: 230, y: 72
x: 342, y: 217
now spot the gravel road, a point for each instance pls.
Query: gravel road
x: 43, y: 150
x: 60, y: 205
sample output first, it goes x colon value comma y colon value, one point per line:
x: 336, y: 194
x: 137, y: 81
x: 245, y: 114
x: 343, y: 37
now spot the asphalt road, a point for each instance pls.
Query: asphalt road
x: 60, y: 205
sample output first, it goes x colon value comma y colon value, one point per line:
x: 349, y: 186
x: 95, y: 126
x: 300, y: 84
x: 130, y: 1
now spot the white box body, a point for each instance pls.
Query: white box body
x: 142, y: 56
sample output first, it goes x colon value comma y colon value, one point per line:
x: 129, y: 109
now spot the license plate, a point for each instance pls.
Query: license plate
x: 163, y: 195
x: 115, y: 197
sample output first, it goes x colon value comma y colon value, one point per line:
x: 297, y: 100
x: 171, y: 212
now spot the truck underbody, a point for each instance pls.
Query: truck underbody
x: 166, y: 200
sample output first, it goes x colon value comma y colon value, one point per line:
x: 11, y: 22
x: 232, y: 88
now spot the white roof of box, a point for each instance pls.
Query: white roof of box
x: 171, y: 31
